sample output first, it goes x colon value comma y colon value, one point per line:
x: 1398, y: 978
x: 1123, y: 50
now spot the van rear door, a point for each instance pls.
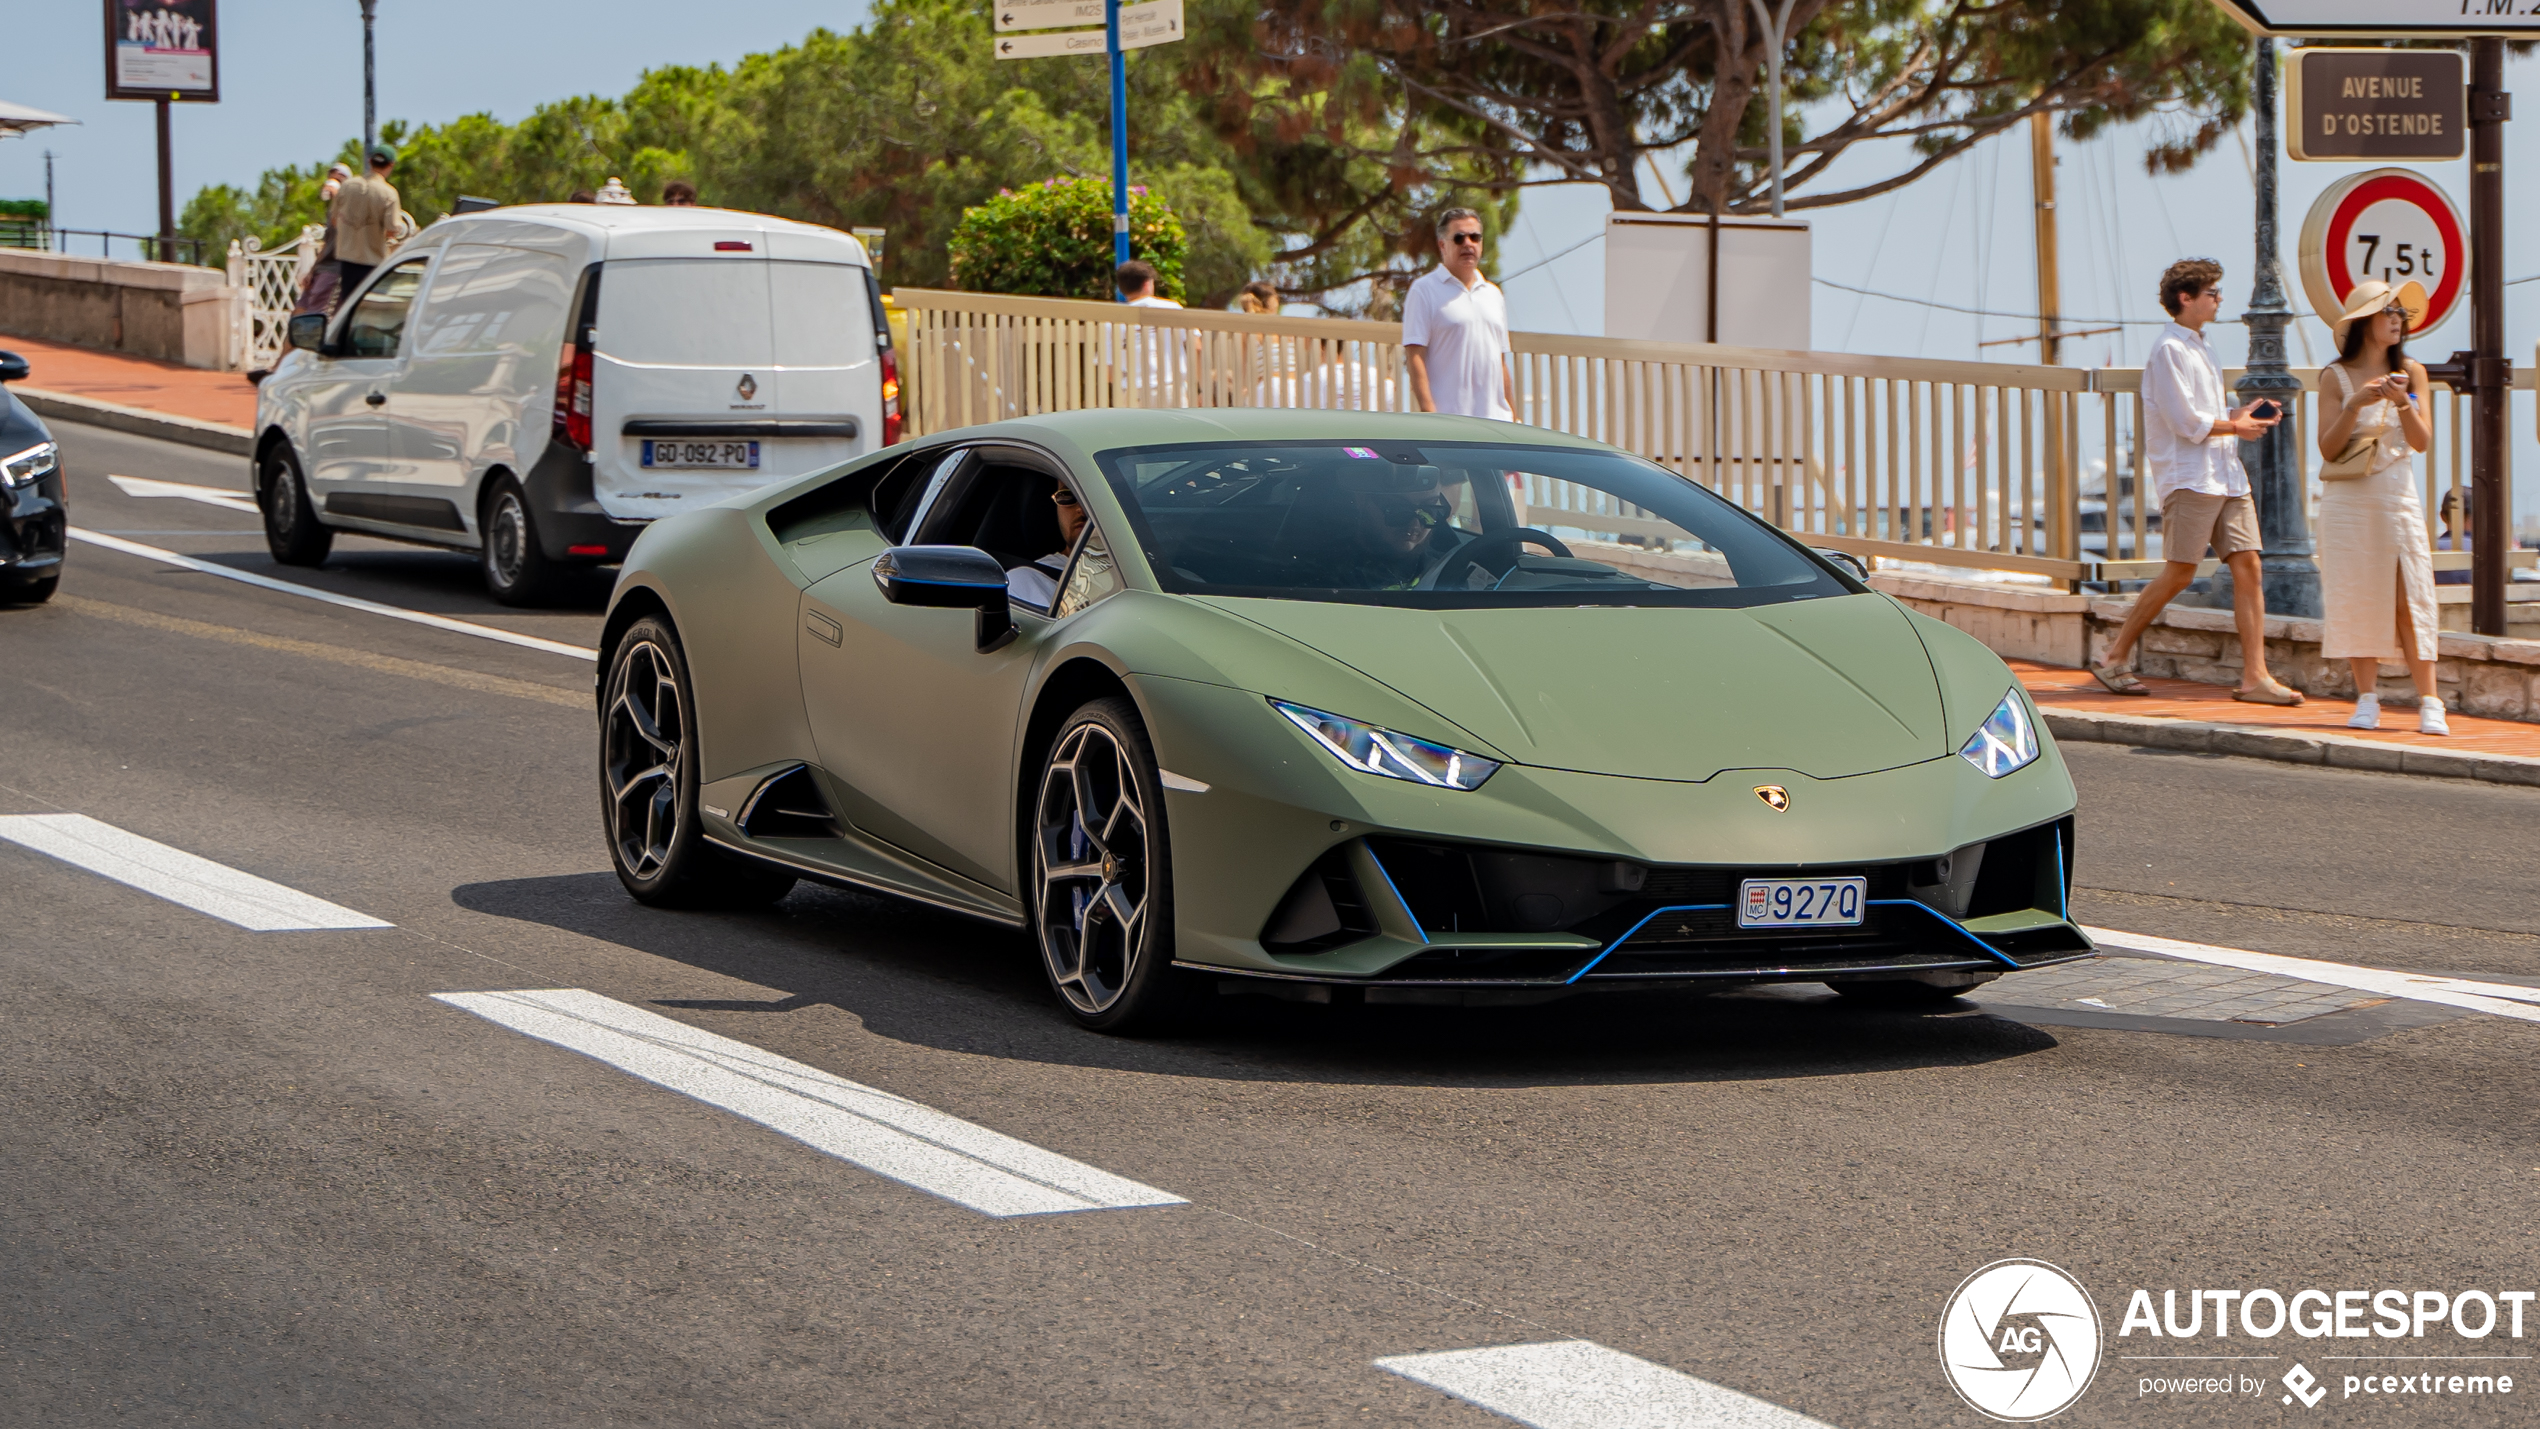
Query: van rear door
x: 828, y: 373
x: 683, y: 344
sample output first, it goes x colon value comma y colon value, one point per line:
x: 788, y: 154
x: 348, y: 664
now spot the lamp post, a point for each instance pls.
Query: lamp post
x: 2277, y: 473
x: 370, y: 85
x: 1778, y: 24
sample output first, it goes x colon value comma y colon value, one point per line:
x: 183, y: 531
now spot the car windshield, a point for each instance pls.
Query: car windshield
x: 1448, y: 525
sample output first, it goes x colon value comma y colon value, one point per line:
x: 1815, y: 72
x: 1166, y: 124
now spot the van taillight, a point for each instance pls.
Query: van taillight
x: 573, y: 396
x: 890, y: 396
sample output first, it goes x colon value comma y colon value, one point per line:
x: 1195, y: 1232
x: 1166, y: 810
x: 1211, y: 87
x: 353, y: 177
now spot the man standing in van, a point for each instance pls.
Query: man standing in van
x: 364, y: 218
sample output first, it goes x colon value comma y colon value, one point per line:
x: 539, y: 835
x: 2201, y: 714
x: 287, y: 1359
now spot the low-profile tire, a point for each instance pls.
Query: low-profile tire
x: 1101, y: 892
x: 517, y: 571
x: 34, y: 592
x: 292, y: 531
x: 648, y: 786
x: 1901, y: 992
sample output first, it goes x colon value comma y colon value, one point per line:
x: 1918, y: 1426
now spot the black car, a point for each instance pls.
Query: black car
x: 33, y: 516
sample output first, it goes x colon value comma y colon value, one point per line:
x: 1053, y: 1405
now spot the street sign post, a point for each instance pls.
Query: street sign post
x: 2376, y: 104
x: 1158, y: 22
x: 2484, y: 372
x: 2390, y: 224
x: 167, y: 52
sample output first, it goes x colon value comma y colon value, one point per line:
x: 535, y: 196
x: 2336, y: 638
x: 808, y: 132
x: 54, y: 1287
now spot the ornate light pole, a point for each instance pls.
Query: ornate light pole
x: 2278, y: 475
x: 370, y: 86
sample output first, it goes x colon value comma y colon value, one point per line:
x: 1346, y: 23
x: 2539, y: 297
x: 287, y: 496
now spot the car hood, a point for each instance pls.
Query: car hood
x: 1826, y: 687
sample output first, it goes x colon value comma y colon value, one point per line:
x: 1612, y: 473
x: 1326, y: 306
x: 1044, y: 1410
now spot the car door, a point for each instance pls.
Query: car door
x: 348, y: 430
x: 915, y: 724
x: 440, y: 400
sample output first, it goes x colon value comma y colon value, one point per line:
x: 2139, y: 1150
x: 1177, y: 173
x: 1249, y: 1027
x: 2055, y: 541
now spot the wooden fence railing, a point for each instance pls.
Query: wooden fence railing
x: 1993, y: 466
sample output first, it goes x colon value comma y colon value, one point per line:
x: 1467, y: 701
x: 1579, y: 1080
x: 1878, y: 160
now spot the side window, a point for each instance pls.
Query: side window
x: 895, y: 498
x: 378, y: 321
x: 1094, y: 576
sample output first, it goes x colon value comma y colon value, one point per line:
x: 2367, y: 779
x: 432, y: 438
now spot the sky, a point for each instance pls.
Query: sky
x: 1961, y: 236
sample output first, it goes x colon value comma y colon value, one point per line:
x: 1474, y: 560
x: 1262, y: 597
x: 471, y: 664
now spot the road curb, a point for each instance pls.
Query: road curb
x: 190, y: 431
x: 2290, y: 746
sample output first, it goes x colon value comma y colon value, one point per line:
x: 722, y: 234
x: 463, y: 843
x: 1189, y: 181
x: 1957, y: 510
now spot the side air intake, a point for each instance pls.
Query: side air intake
x: 789, y: 806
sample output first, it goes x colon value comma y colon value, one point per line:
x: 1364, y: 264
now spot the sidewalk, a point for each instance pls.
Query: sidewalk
x: 225, y: 398
x: 2181, y: 714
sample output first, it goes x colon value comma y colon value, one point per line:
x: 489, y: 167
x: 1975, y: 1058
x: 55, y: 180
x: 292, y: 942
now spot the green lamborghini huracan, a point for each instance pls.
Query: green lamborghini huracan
x: 1329, y: 706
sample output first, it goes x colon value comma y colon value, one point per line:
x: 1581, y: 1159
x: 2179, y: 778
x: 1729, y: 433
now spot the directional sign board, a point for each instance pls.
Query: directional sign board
x: 2415, y: 18
x: 2375, y: 104
x: 1049, y: 14
x: 1041, y: 47
x: 2389, y: 224
x: 1159, y: 23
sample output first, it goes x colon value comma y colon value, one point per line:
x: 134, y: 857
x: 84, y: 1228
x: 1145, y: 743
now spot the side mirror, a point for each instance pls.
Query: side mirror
x: 13, y: 368
x: 307, y: 332
x: 949, y: 578
x: 1852, y: 565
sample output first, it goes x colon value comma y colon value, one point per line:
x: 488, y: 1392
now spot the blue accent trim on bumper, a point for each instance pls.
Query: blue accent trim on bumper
x: 1952, y: 924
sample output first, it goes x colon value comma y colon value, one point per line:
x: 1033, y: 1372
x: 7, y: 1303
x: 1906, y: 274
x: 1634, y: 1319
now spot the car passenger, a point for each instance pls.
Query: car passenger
x: 1036, y: 583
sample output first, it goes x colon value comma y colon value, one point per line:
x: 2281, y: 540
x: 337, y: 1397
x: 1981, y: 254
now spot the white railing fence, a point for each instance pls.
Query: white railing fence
x: 269, y: 283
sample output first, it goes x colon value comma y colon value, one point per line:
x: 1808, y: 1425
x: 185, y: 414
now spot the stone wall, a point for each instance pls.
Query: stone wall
x: 2477, y: 674
x: 167, y: 311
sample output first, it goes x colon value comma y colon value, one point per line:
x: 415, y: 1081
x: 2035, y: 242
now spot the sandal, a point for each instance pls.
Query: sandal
x: 2117, y: 681
x: 2269, y: 695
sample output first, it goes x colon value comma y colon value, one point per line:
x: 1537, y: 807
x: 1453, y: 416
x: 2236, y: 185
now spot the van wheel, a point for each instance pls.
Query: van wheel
x: 517, y: 571
x: 292, y: 531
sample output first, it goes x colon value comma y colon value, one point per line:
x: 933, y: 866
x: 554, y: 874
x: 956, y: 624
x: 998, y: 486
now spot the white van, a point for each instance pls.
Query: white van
x: 537, y: 383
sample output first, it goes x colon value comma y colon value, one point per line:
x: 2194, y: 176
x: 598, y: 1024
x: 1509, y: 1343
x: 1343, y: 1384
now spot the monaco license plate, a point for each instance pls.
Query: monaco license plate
x: 709, y: 456
x: 1801, y: 902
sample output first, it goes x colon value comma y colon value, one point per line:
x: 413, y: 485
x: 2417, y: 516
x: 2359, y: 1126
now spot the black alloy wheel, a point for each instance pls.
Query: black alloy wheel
x: 648, y: 786
x: 292, y: 531
x: 1102, y: 884
x: 517, y: 571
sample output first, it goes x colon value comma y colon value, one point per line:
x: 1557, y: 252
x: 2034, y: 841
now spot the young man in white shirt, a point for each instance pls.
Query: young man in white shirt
x: 1162, y: 362
x: 2192, y: 436
x: 1455, y: 329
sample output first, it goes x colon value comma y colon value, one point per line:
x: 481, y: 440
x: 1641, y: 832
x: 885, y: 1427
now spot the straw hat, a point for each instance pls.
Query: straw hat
x: 2372, y: 295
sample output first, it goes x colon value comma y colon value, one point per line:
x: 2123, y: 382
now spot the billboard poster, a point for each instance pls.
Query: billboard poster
x: 162, y: 49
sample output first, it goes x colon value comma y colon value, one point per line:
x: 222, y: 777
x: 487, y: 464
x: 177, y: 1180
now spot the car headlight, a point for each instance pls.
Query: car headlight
x: 1369, y: 750
x: 2007, y: 739
x: 22, y: 468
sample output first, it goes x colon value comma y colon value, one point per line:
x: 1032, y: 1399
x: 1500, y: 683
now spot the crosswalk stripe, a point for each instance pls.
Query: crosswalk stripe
x: 257, y: 904
x: 1577, y: 1384
x: 987, y: 1171
x: 208, y: 495
x: 2497, y: 999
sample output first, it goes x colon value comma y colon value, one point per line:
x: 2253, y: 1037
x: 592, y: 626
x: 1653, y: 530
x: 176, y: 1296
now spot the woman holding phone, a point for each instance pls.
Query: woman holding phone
x: 2376, y: 570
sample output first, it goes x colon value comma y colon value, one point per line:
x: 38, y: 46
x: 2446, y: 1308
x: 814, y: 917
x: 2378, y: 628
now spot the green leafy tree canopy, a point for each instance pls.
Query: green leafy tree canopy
x: 1054, y: 239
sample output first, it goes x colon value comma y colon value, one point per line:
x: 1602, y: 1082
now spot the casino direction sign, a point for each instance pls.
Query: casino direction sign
x: 2405, y: 105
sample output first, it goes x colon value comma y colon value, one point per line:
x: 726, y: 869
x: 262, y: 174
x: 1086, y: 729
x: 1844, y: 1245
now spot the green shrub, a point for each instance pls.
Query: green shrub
x: 1053, y: 239
x: 26, y: 208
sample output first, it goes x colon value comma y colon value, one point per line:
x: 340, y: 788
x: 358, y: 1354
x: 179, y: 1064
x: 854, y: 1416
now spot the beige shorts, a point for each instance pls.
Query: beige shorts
x: 2192, y: 520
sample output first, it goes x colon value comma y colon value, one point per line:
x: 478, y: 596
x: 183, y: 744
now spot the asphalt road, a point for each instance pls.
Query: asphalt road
x: 265, y: 1178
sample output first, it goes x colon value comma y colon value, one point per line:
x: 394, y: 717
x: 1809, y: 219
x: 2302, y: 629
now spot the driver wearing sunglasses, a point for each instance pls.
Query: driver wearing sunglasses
x: 1036, y: 583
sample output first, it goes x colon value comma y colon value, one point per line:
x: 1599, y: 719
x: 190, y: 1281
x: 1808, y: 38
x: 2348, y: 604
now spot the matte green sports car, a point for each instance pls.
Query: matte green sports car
x: 1327, y: 705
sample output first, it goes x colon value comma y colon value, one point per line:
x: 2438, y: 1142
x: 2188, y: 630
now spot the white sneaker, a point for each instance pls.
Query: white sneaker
x: 2367, y: 712
x: 2430, y: 716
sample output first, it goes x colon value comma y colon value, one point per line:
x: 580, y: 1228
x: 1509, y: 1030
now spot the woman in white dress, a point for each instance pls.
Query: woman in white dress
x: 2376, y: 571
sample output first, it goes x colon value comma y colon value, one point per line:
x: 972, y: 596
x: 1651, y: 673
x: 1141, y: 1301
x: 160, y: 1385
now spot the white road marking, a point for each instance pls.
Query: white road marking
x: 2496, y: 998
x: 208, y: 495
x: 368, y: 607
x: 1575, y: 1384
x: 987, y: 1171
x: 257, y: 904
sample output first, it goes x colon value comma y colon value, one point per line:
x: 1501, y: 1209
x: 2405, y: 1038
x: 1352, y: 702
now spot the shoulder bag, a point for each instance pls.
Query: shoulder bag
x: 2354, y: 463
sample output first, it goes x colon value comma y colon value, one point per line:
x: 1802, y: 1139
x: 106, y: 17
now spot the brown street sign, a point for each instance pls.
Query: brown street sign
x: 2375, y: 105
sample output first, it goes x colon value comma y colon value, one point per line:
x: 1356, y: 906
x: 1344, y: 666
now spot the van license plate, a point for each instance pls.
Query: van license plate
x: 712, y: 456
x: 1801, y: 902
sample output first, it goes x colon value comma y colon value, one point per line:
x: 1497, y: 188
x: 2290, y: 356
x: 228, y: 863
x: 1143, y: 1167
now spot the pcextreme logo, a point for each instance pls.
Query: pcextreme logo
x: 2019, y: 1341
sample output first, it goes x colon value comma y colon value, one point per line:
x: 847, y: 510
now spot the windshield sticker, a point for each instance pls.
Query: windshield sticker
x: 1362, y: 453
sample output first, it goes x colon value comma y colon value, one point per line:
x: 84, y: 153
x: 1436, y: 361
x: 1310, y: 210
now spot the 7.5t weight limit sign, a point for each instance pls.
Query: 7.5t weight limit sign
x: 2389, y: 224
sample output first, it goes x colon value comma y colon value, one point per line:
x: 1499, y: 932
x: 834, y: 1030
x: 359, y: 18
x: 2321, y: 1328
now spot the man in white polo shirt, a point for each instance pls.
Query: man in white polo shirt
x: 1455, y: 329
